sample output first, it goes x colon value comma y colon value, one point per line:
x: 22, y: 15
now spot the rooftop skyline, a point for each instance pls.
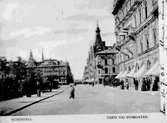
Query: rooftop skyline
x: 64, y: 30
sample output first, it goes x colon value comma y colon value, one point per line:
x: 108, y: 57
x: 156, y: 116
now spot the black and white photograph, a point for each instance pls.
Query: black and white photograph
x: 78, y: 57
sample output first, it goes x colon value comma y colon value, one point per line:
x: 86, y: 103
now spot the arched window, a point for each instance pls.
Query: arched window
x: 145, y: 7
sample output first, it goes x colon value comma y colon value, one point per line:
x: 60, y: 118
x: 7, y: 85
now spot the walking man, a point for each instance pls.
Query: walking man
x: 72, y: 92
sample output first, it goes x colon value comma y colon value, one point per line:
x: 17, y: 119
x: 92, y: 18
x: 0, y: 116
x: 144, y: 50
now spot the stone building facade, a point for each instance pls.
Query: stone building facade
x: 136, y: 29
x: 55, y: 71
x: 101, y: 65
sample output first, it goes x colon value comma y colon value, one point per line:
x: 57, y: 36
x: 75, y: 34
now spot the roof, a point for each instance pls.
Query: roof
x: 108, y: 52
x: 51, y: 62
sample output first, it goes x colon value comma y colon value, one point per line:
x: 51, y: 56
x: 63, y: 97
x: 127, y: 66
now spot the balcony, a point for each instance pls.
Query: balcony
x: 145, y: 23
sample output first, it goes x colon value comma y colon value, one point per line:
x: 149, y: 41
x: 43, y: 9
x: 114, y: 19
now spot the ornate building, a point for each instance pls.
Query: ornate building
x: 136, y: 29
x: 51, y: 70
x: 101, y: 67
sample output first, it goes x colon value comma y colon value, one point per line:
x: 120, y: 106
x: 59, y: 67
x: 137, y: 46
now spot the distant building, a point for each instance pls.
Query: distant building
x: 100, y: 65
x: 136, y: 29
x: 58, y: 72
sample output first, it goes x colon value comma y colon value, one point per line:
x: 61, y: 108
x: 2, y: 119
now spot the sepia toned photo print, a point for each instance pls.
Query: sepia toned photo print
x: 70, y: 57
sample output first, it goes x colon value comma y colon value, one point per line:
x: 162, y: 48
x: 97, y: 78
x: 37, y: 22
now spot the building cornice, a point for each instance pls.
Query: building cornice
x: 149, y: 50
x: 146, y: 51
x: 118, y: 4
x: 130, y: 12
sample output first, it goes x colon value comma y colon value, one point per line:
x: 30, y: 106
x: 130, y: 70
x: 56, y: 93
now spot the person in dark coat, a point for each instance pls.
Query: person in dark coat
x: 143, y: 88
x: 148, y: 84
x: 155, y: 85
x: 72, y: 92
x: 136, y: 83
x: 122, y: 84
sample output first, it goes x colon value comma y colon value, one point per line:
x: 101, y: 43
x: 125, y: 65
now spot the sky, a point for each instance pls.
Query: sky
x: 63, y: 29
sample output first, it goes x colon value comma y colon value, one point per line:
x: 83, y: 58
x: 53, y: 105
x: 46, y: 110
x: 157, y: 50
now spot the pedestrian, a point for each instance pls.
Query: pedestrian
x: 144, y: 86
x: 136, y: 84
x: 122, y: 84
x: 127, y: 84
x: 72, y: 92
x: 155, y: 85
x: 148, y: 84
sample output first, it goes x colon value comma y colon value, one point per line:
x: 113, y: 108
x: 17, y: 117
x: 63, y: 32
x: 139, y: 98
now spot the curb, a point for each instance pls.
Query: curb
x: 23, y: 107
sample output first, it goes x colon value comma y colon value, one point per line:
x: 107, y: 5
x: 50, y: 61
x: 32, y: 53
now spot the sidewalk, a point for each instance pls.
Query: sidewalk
x: 10, y: 106
x: 132, y: 90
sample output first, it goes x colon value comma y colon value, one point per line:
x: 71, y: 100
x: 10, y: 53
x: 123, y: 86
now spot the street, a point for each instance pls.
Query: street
x: 96, y: 100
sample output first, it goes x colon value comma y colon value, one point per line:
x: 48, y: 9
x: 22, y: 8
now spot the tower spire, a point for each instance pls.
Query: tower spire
x: 31, y: 58
x: 98, y: 35
x: 42, y: 55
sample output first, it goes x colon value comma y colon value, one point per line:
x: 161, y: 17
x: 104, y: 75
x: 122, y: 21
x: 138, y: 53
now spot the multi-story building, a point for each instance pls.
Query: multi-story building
x: 89, y: 70
x: 101, y: 65
x: 55, y: 71
x: 107, y: 68
x: 136, y: 29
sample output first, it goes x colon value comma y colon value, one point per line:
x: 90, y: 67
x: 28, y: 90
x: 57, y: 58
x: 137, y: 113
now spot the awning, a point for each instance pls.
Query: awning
x: 140, y: 73
x: 124, y: 74
x: 119, y: 74
x: 154, y: 70
x: 131, y: 73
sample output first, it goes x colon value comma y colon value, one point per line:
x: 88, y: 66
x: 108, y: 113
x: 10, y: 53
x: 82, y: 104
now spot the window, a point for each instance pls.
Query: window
x: 106, y: 62
x: 99, y: 71
x: 113, y: 69
x: 137, y: 66
x: 113, y: 61
x: 147, y: 42
x: 145, y: 7
x: 154, y: 36
x: 140, y: 14
x: 106, y: 70
x: 148, y: 64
